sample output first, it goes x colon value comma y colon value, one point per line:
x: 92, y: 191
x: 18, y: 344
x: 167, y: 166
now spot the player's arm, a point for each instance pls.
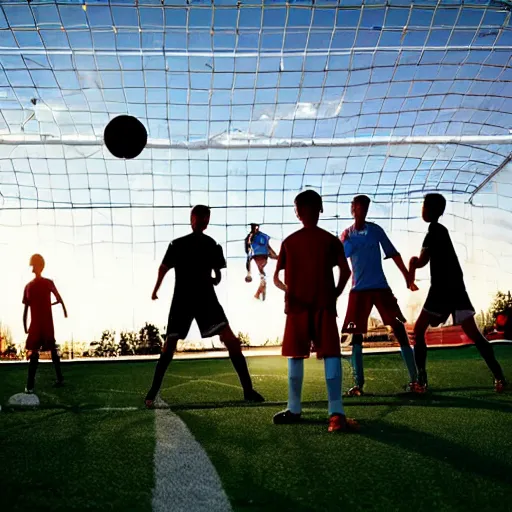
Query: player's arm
x: 281, y: 263
x: 162, y: 271
x: 217, y: 276
x: 345, y: 271
x: 25, y: 317
x: 219, y: 262
x: 247, y: 243
x: 409, y: 279
x: 347, y: 244
x: 59, y: 299
x: 418, y: 262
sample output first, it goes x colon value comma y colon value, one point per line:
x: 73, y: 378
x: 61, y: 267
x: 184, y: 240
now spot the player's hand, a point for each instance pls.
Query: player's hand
x: 413, y: 287
x: 344, y: 236
x: 154, y: 296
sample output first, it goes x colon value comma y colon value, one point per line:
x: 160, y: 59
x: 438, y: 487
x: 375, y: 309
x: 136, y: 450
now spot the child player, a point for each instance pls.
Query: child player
x: 308, y: 257
x: 37, y: 297
x: 257, y: 248
x: 362, y: 242
x: 194, y: 258
x: 447, y: 295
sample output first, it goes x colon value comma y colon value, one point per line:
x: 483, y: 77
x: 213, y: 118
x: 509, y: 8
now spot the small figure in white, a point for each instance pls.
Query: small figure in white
x: 257, y: 248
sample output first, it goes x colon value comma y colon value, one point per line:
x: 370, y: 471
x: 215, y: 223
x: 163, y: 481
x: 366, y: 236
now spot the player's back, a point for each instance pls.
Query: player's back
x: 310, y: 255
x: 194, y: 256
x: 38, y: 296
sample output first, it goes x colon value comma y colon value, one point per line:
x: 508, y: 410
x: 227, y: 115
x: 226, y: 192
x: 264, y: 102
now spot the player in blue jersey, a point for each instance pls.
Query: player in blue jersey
x: 362, y: 243
x: 257, y: 249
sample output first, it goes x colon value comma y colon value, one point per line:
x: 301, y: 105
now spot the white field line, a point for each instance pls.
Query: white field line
x: 185, y: 478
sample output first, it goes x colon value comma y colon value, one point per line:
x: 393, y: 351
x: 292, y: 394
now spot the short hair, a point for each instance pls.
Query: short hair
x: 37, y: 260
x: 201, y: 211
x: 435, y: 203
x: 254, y: 225
x: 362, y: 200
x: 309, y: 199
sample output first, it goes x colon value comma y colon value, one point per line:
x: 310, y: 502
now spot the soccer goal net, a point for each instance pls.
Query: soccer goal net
x: 246, y: 103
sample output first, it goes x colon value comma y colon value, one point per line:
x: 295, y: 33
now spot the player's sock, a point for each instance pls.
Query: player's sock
x: 420, y: 354
x: 333, y: 379
x: 357, y: 361
x: 295, y: 379
x: 161, y: 368
x: 408, y: 357
x: 32, y: 368
x: 240, y: 365
x: 56, y: 364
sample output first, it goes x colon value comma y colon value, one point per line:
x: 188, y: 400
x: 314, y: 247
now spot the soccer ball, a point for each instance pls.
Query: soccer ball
x: 125, y: 137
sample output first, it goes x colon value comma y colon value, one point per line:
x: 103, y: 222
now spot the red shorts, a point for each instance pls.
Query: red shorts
x: 42, y: 343
x: 309, y: 331
x: 360, y: 304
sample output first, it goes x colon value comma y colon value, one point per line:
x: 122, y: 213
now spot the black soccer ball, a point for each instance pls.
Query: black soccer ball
x: 125, y: 137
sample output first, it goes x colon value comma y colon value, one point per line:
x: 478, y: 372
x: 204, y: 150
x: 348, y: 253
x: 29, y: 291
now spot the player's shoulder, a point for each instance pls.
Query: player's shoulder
x: 373, y: 226
x: 438, y: 229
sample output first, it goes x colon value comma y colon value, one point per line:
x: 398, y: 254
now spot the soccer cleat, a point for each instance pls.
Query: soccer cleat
x: 253, y: 396
x: 340, y: 423
x: 29, y: 391
x: 416, y: 387
x: 286, y: 417
x: 355, y: 391
x: 500, y: 385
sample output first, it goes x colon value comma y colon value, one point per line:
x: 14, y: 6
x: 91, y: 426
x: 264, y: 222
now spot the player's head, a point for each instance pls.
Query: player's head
x: 199, y: 218
x: 255, y: 228
x: 359, y: 207
x: 433, y: 207
x: 308, y: 207
x: 37, y: 263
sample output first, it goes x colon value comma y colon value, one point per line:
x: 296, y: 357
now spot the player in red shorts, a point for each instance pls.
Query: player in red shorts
x: 307, y: 258
x: 362, y: 243
x: 37, y: 298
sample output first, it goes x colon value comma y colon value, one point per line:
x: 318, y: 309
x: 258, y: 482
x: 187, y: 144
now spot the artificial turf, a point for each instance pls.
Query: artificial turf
x: 448, y: 450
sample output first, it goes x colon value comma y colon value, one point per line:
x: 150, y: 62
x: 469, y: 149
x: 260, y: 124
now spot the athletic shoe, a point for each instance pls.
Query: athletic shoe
x: 355, y: 391
x: 500, y: 385
x: 416, y: 387
x: 253, y: 396
x: 29, y: 391
x: 286, y: 417
x: 150, y: 404
x: 340, y: 423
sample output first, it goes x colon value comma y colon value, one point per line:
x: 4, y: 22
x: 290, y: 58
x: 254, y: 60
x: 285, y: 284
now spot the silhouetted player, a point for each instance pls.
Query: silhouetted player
x: 194, y: 258
x: 447, y: 295
x: 37, y: 297
x: 308, y: 257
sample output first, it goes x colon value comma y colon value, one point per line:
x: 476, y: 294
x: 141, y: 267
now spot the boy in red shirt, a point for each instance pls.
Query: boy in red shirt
x: 37, y: 297
x: 307, y: 258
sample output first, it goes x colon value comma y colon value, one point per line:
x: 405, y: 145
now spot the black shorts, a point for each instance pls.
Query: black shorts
x: 205, y: 310
x: 443, y: 302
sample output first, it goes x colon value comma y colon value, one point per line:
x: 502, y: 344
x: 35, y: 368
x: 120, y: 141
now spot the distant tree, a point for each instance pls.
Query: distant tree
x: 127, y: 343
x: 272, y: 342
x: 149, y: 340
x: 502, y: 303
x: 244, y: 338
x: 10, y: 352
x: 373, y: 323
x: 107, y: 346
x: 6, y: 338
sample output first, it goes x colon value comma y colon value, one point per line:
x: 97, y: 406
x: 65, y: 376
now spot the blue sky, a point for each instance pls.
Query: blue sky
x: 244, y: 108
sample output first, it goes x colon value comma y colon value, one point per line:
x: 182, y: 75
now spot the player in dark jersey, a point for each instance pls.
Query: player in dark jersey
x: 37, y: 298
x: 195, y: 257
x: 447, y: 295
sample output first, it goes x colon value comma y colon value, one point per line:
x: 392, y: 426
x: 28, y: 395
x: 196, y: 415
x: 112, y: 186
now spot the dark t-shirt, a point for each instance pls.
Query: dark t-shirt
x: 193, y: 258
x: 38, y: 296
x: 445, y: 270
x: 308, y: 257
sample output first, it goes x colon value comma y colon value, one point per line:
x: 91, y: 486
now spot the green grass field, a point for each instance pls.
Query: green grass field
x: 448, y: 450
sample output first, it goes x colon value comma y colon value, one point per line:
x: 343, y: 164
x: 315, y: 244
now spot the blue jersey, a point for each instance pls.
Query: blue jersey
x: 363, y: 249
x: 259, y: 244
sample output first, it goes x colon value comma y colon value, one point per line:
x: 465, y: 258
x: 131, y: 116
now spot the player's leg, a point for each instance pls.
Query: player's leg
x: 58, y: 370
x: 326, y: 339
x: 296, y: 347
x: 420, y: 346
x: 33, y: 361
x: 486, y: 351
x: 161, y: 367
x: 248, y: 277
x: 360, y: 304
x: 234, y: 346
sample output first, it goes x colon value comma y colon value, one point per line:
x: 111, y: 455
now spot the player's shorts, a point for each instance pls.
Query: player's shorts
x: 443, y: 302
x: 206, y: 311
x: 311, y: 331
x: 360, y: 305
x: 42, y: 343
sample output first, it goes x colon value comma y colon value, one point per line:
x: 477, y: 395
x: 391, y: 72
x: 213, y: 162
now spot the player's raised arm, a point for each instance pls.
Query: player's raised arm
x: 281, y: 262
